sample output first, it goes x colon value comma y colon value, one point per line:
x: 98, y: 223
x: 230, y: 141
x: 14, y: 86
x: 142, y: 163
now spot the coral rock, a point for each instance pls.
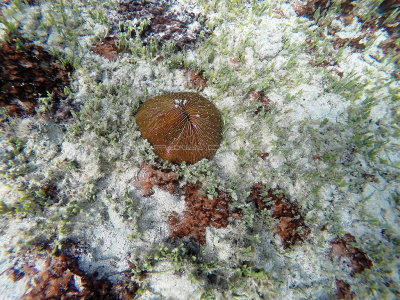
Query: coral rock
x: 260, y: 97
x: 165, y: 23
x: 27, y: 74
x: 358, y: 261
x: 107, y: 48
x: 196, y: 80
x: 57, y: 276
x: 150, y: 176
x: 291, y: 226
x: 343, y: 290
x: 201, y: 213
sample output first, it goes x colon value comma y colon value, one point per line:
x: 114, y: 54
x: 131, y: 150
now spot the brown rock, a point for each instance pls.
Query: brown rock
x: 291, y: 226
x: 200, y: 213
x: 107, y: 48
x: 27, y: 72
x: 165, y: 25
x: 260, y: 97
x: 60, y: 278
x: 358, y: 261
x: 196, y: 80
x: 343, y: 290
x: 150, y: 176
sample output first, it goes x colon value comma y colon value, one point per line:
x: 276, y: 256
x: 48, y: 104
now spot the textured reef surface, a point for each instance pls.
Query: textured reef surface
x: 297, y: 197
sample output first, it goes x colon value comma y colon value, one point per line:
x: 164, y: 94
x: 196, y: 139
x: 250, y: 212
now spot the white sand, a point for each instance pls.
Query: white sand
x: 306, y: 119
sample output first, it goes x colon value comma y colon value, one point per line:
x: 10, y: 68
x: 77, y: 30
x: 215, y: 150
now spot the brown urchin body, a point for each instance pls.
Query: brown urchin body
x: 181, y: 126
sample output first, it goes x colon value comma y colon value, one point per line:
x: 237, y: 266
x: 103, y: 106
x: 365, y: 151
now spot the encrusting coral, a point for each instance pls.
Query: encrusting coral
x: 55, y: 275
x: 28, y: 72
x: 196, y: 80
x: 150, y: 176
x: 357, y: 260
x: 162, y: 22
x: 291, y: 226
x: 107, y: 48
x: 259, y: 97
x: 201, y: 213
x: 343, y: 290
x: 181, y: 126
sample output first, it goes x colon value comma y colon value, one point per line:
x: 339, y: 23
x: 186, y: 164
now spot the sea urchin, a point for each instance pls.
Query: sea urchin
x: 181, y: 126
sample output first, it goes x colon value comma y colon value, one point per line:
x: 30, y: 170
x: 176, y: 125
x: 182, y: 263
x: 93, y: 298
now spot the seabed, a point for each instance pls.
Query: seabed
x: 300, y: 201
